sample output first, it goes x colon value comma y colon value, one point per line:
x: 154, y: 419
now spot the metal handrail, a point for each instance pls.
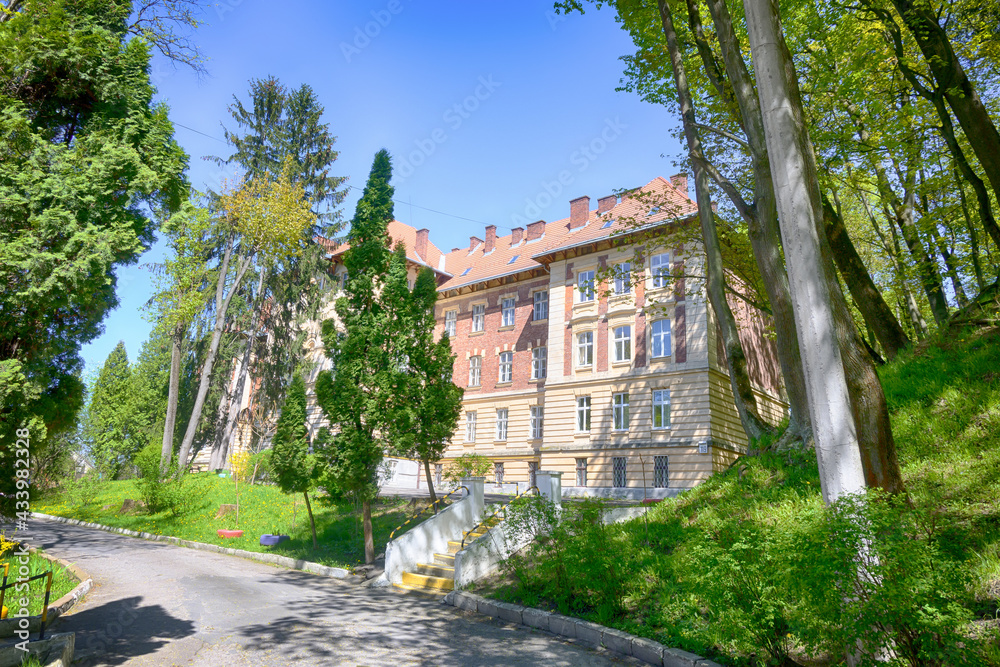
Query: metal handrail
x: 435, y: 504
x: 48, y: 590
x: 466, y: 534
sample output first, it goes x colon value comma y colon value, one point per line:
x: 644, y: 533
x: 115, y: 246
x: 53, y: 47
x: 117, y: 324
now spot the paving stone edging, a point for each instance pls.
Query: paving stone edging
x: 8, y: 626
x: 593, y: 634
x: 270, y: 559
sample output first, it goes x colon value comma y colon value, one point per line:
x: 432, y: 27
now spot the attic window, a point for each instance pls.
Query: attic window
x: 466, y: 272
x: 607, y: 224
x: 513, y: 259
x: 654, y: 210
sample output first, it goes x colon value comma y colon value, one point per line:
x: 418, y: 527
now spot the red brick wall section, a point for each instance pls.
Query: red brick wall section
x: 640, y: 340
x: 680, y: 334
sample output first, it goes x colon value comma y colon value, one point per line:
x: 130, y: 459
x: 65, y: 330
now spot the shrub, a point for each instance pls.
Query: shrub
x: 468, y: 465
x: 82, y: 492
x: 161, y: 490
x: 261, y: 470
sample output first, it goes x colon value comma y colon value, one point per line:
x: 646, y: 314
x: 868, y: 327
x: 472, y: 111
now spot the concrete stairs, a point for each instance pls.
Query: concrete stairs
x: 438, y: 577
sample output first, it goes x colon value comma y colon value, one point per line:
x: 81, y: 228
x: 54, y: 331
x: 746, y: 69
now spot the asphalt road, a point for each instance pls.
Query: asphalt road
x: 158, y: 604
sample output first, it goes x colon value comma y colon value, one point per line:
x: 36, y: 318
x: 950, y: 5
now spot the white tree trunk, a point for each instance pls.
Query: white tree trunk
x: 793, y: 168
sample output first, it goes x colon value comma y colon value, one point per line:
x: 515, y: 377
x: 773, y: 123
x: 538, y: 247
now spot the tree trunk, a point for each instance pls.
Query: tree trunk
x: 430, y: 482
x: 746, y: 402
x: 951, y: 269
x: 977, y: 266
x: 173, y: 397
x: 221, y: 306
x: 366, y: 514
x: 312, y: 520
x: 878, y: 316
x: 764, y: 233
x: 793, y: 169
x: 951, y: 79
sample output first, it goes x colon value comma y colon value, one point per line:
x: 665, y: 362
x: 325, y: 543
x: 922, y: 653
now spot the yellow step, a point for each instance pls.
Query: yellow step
x: 428, y: 582
x: 444, y: 559
x: 454, y: 547
x: 435, y: 570
x: 420, y: 589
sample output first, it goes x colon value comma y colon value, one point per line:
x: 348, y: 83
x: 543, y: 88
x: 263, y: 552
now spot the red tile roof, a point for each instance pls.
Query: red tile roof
x: 398, y: 231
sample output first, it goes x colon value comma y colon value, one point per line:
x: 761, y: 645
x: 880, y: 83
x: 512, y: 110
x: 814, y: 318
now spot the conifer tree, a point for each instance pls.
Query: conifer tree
x: 114, y: 429
x: 360, y: 395
x: 290, y: 459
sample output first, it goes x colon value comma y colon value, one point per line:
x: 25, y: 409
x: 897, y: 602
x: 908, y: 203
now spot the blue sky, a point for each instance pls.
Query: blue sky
x: 483, y: 106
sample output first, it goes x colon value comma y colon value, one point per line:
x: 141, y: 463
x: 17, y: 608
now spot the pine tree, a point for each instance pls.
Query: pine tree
x: 114, y: 429
x: 360, y: 395
x: 293, y: 466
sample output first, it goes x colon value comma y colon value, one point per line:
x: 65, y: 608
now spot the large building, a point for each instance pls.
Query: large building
x: 580, y: 355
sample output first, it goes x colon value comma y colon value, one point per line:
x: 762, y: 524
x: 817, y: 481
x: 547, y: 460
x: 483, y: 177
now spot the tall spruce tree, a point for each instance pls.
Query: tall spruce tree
x: 114, y: 431
x: 293, y: 466
x: 360, y: 395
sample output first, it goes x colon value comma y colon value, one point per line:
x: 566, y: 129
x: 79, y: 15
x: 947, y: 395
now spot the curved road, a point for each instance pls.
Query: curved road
x: 159, y: 604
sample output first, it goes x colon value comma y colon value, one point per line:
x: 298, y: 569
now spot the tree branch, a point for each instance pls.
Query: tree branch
x: 723, y: 133
x: 746, y: 210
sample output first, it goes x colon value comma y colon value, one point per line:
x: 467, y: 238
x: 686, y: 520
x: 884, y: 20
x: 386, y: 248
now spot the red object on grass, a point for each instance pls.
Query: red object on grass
x: 230, y: 533
x: 651, y: 501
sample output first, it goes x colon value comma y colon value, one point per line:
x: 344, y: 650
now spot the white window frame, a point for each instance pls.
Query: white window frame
x: 539, y: 363
x: 537, y: 421
x: 661, y: 409
x: 583, y: 414
x: 451, y: 322
x: 507, y: 312
x: 659, y: 343
x: 470, y: 426
x: 623, y: 343
x: 479, y: 317
x: 540, y: 310
x: 659, y: 267
x: 506, y: 368
x: 475, y: 371
x: 616, y: 463
x: 623, y: 278
x: 501, y: 429
x: 585, y: 349
x: 585, y: 286
x: 619, y: 411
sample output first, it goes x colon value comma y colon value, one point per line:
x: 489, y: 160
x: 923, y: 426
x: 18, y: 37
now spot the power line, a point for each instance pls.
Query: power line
x: 191, y: 129
x: 431, y: 210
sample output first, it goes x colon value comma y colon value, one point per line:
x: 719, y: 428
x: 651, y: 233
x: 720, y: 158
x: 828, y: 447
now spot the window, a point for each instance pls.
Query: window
x: 654, y: 210
x: 479, y: 317
x: 581, y: 472
x: 513, y: 259
x: 541, y: 310
x: 660, y: 331
x: 466, y: 272
x: 539, y: 358
x: 623, y: 343
x: 532, y: 469
x: 507, y: 313
x: 660, y: 477
x: 506, y: 367
x: 660, y: 268
x: 623, y: 278
x: 501, y: 433
x: 470, y: 426
x: 661, y: 408
x: 345, y: 279
x: 409, y: 285
x: 619, y: 411
x: 586, y: 286
x: 585, y: 348
x: 537, y: 415
x: 583, y: 413
x: 607, y: 224
x: 438, y: 473
x: 451, y: 322
x: 618, y: 477
x: 475, y: 371
x: 498, y: 472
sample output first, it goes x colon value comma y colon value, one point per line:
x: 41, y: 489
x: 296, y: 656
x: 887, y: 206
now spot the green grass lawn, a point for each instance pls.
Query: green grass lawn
x: 746, y: 567
x: 263, y: 509
x: 62, y: 583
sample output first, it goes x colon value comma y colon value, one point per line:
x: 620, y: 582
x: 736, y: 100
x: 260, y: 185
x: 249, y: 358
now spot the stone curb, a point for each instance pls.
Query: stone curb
x: 586, y: 632
x: 270, y: 559
x: 8, y: 626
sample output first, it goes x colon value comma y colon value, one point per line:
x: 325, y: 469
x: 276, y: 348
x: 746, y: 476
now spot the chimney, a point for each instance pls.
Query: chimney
x: 605, y: 204
x: 491, y: 239
x: 473, y: 242
x: 680, y: 181
x: 536, y: 230
x: 515, y: 236
x: 422, y: 235
x: 579, y: 211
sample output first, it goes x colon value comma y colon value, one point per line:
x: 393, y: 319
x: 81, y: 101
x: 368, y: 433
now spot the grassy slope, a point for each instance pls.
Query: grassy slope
x: 62, y: 583
x: 263, y: 509
x: 756, y: 523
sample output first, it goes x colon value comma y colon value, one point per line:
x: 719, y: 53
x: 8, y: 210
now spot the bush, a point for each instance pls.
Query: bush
x: 82, y: 492
x: 161, y: 490
x: 261, y: 470
x: 468, y: 465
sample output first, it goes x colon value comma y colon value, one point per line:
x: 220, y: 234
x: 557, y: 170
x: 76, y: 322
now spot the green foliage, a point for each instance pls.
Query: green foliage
x: 114, y: 429
x: 261, y: 468
x: 468, y: 465
x: 290, y: 461
x: 162, y: 490
x: 83, y: 491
